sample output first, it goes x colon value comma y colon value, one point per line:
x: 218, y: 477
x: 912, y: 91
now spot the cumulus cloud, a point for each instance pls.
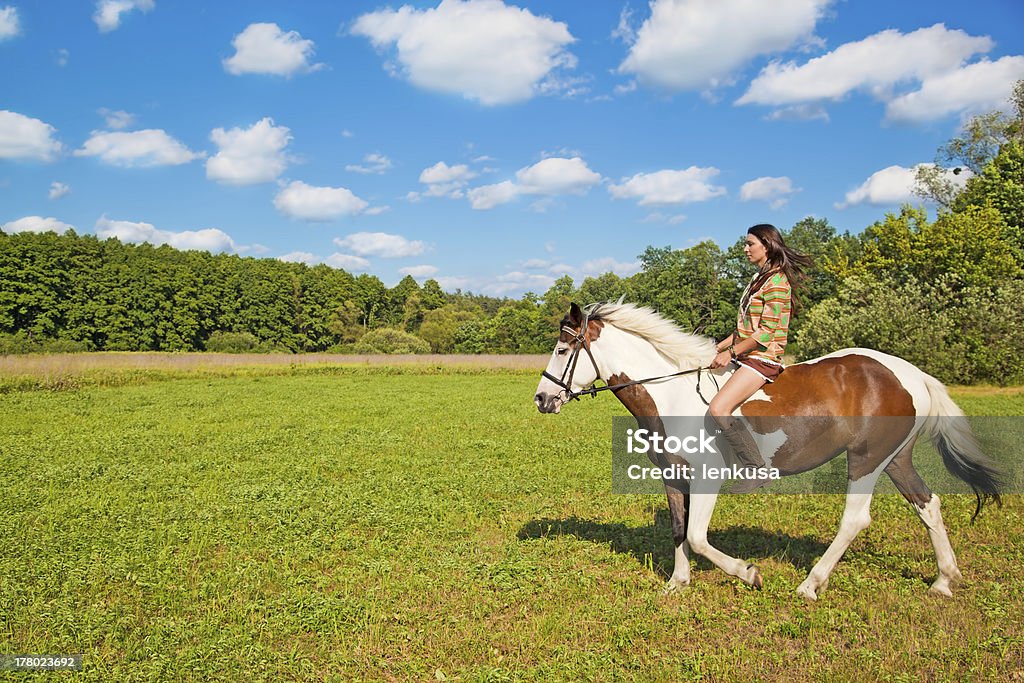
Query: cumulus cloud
x: 137, y: 149
x: 249, y: 156
x: 983, y: 86
x: 663, y: 188
x: 209, y: 239
x: 489, y: 196
x: 311, y: 203
x: 547, y: 178
x: 931, y: 60
x: 381, y: 244
x: 484, y: 50
x: 893, y: 186
x: 347, y: 262
x: 775, y: 191
x: 117, y: 120
x: 372, y: 163
x: 419, y: 271
x: 700, y: 44
x: 265, y: 49
x: 300, y: 257
x: 22, y: 137
x: 10, y: 26
x: 108, y: 12
x: 443, y: 180
x: 36, y: 224
x: 58, y: 190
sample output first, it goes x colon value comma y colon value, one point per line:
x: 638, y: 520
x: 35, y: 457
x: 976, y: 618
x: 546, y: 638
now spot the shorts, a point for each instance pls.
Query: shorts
x: 768, y: 371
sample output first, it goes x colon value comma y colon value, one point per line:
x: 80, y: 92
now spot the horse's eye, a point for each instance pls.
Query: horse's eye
x: 562, y: 351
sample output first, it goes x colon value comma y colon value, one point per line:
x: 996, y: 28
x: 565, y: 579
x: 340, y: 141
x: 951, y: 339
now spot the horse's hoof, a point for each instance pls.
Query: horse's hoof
x: 806, y: 592
x: 674, y: 586
x: 755, y: 579
x: 942, y: 588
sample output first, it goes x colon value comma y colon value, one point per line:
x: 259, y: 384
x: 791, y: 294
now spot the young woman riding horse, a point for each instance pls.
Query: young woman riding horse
x: 758, y: 342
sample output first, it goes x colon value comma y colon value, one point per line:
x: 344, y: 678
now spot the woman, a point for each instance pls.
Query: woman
x: 757, y: 344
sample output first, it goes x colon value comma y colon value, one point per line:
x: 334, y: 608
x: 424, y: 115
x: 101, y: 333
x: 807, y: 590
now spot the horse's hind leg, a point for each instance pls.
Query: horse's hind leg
x: 926, y: 505
x: 856, y: 518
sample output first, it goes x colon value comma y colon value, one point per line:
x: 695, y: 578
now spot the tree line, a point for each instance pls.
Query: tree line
x: 940, y: 293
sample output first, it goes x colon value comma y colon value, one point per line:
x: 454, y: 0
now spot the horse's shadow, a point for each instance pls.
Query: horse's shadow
x: 652, y: 545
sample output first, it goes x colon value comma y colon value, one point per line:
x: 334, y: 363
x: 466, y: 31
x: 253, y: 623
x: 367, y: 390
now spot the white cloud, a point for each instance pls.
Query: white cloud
x: 22, y: 137
x: 548, y: 177
x: 483, y: 50
x: 209, y: 239
x: 36, y: 224
x: 249, y: 156
x: 556, y: 176
x: 490, y: 196
x: 419, y: 271
x: 601, y: 266
x: 983, y: 86
x: 875, y: 64
x: 380, y: 244
x: 443, y: 180
x: 108, y: 12
x: 311, y: 203
x: 9, y: 24
x: 699, y: 44
x: 799, y: 112
x: 266, y: 49
x: 452, y: 282
x: 300, y: 257
x: 347, y: 262
x: 137, y: 149
x: 441, y: 173
x: 61, y: 57
x: 769, y: 189
x: 374, y: 163
x: 117, y: 120
x: 892, y: 186
x: 516, y: 281
x: 58, y: 190
x: 663, y: 188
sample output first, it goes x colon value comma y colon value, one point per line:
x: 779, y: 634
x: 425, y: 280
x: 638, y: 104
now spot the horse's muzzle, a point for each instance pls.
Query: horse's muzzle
x: 548, y: 403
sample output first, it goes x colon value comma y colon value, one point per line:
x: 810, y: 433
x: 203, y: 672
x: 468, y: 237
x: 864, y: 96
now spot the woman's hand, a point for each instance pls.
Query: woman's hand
x: 721, y: 360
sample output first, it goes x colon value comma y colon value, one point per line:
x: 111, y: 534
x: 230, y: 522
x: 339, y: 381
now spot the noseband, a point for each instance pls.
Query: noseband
x: 579, y: 337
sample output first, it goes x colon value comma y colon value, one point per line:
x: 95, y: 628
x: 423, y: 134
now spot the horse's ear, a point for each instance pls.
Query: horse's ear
x: 575, y: 314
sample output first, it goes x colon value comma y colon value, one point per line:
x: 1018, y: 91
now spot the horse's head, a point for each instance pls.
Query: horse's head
x: 566, y: 373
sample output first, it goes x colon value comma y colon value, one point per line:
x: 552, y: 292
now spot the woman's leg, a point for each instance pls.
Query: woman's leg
x: 741, y: 386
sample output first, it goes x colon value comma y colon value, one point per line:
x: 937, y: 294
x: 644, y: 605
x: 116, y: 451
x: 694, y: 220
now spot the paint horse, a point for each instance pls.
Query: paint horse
x: 655, y: 370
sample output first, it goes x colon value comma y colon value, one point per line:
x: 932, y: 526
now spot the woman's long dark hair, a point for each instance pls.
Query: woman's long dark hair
x: 780, y: 259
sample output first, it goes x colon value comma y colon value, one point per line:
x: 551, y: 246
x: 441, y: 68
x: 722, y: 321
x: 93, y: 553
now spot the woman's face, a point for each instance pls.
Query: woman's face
x: 755, y: 250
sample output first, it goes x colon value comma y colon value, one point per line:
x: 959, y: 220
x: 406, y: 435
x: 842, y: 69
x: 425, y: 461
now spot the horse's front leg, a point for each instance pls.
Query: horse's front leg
x: 701, y: 506
x: 678, y: 507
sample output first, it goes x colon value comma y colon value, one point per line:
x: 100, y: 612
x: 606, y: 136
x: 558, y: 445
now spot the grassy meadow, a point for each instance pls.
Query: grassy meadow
x: 424, y: 522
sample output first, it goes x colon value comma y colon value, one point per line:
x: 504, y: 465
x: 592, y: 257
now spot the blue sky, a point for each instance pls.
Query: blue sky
x: 491, y: 145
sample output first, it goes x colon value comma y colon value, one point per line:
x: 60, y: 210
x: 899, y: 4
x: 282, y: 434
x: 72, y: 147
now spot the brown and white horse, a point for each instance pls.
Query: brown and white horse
x: 840, y: 399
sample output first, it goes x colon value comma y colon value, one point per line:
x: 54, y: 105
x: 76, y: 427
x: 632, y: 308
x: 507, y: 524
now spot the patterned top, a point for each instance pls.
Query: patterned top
x: 766, y: 317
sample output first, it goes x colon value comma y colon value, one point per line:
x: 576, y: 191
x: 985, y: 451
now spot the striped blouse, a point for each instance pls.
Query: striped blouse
x: 766, y: 317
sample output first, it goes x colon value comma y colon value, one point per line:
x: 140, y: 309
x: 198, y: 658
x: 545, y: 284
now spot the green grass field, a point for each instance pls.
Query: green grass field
x: 428, y: 524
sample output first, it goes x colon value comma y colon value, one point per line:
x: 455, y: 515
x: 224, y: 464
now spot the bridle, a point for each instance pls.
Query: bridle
x: 580, y: 341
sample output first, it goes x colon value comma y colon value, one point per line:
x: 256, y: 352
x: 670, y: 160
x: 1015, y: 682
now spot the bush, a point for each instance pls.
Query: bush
x: 21, y: 343
x: 233, y: 342
x: 390, y: 340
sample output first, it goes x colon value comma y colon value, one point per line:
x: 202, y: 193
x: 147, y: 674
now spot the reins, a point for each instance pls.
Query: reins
x: 580, y: 337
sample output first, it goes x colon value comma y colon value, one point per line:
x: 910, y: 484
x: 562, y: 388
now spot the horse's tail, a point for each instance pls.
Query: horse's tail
x: 949, y: 431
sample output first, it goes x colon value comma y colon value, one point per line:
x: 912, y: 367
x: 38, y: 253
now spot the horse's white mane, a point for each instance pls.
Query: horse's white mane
x: 685, y: 350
